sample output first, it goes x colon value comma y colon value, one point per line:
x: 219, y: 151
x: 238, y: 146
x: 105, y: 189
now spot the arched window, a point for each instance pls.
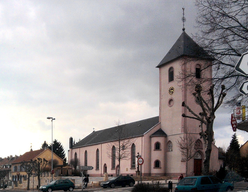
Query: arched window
x: 171, y: 74
x: 85, y: 158
x: 157, y: 146
x: 75, y: 161
x: 113, y: 157
x: 198, y: 144
x: 169, y: 146
x: 157, y: 164
x: 97, y: 159
x: 198, y: 71
x: 133, y: 156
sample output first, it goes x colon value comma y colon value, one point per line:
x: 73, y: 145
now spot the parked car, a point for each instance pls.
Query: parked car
x: 203, y: 183
x: 3, y: 185
x: 62, y: 184
x: 118, y: 181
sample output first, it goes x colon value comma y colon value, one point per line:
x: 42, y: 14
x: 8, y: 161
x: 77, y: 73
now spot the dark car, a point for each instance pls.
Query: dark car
x: 62, y: 184
x: 118, y: 181
x: 203, y: 183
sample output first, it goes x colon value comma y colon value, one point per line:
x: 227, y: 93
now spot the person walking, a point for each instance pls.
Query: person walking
x: 86, y: 181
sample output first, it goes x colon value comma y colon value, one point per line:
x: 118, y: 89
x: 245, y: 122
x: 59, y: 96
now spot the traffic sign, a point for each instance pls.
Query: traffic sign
x: 244, y: 88
x: 242, y: 65
x: 140, y: 161
x: 86, y: 168
x: 233, y: 122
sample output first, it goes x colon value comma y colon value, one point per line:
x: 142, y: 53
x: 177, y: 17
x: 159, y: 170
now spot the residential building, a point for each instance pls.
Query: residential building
x: 5, y: 167
x: 18, y: 172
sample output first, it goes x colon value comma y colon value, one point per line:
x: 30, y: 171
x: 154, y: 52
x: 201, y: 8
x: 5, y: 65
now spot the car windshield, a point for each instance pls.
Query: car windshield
x: 113, y: 178
x: 187, y: 181
x: 53, y: 182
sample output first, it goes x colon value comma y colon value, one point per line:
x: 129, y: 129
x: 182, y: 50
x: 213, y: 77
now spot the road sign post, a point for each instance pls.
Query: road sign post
x: 233, y: 122
x: 244, y: 88
x: 140, y: 162
x: 242, y: 65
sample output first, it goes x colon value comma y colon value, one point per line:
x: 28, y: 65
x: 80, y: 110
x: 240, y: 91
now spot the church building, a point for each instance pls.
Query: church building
x: 151, y: 146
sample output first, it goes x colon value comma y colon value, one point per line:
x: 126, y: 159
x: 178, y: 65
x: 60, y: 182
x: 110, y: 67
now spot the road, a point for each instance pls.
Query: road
x: 116, y: 189
x: 238, y: 186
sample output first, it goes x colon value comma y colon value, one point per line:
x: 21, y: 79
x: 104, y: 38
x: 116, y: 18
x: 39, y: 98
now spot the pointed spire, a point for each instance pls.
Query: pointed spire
x: 185, y: 46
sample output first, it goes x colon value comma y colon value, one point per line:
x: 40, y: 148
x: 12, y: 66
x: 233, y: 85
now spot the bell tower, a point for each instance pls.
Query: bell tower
x: 181, y: 67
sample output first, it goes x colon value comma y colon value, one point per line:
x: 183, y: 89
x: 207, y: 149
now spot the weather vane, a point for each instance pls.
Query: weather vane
x: 183, y: 19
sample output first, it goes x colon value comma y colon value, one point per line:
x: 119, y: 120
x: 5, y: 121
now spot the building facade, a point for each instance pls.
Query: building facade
x: 19, y: 174
x: 115, y: 150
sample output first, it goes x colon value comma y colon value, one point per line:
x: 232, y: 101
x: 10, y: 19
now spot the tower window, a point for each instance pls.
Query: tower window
x: 157, y: 146
x: 198, y: 71
x: 169, y: 146
x: 157, y: 164
x: 171, y: 74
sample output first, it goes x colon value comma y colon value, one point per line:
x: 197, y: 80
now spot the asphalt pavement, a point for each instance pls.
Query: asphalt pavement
x: 238, y: 187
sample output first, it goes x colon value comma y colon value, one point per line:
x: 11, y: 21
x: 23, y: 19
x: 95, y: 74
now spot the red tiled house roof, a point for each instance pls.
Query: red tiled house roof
x: 28, y: 156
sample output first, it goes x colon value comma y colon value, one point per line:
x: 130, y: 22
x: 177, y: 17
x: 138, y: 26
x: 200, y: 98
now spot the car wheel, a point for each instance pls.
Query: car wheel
x: 131, y: 184
x: 71, y: 189
x: 112, y: 185
x: 49, y: 190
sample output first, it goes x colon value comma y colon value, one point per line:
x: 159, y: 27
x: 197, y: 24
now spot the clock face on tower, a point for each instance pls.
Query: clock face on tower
x: 171, y: 90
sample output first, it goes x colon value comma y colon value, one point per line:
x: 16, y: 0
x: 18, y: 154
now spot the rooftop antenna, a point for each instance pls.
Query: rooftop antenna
x: 183, y: 19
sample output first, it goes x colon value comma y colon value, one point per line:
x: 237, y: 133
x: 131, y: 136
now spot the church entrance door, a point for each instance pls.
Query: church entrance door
x: 197, y: 164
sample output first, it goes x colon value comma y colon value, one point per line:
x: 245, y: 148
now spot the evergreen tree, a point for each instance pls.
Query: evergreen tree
x: 58, y: 149
x: 233, y: 154
x: 44, y: 145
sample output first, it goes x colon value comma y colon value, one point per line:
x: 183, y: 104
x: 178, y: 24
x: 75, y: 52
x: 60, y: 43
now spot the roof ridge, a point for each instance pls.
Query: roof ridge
x: 132, y: 129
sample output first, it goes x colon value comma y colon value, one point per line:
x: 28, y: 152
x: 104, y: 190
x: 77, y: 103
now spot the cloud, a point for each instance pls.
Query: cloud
x: 87, y: 63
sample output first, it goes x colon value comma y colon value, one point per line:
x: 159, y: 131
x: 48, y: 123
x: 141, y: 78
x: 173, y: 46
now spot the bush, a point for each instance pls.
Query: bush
x: 221, y: 174
x: 146, y: 187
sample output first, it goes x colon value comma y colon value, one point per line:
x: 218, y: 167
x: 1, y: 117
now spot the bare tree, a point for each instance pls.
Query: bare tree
x: 39, y: 166
x: 28, y: 168
x: 186, y: 146
x: 206, y: 117
x: 34, y: 167
x: 3, y: 174
x: 223, y: 33
x: 122, y: 145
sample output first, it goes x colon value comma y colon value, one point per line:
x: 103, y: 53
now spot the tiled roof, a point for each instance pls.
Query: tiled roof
x: 130, y: 130
x: 159, y: 133
x: 185, y: 46
x: 28, y: 156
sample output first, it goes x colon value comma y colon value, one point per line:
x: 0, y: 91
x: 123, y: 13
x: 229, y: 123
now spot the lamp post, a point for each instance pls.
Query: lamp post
x: 52, y: 119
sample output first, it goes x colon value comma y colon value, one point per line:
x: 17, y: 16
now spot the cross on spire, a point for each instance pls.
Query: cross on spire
x: 183, y: 19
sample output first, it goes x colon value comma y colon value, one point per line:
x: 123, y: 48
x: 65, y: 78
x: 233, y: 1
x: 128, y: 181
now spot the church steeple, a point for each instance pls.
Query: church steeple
x: 185, y: 46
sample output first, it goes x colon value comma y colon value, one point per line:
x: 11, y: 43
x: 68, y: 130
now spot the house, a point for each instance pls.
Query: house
x: 117, y: 149
x: 244, y: 149
x: 18, y: 172
x: 5, y: 167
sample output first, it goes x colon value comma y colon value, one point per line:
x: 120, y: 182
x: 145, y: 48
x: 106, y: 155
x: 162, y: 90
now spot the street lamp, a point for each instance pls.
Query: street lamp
x: 52, y: 119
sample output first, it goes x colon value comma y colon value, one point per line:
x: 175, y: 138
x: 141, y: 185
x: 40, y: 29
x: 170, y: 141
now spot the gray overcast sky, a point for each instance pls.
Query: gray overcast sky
x: 88, y: 63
